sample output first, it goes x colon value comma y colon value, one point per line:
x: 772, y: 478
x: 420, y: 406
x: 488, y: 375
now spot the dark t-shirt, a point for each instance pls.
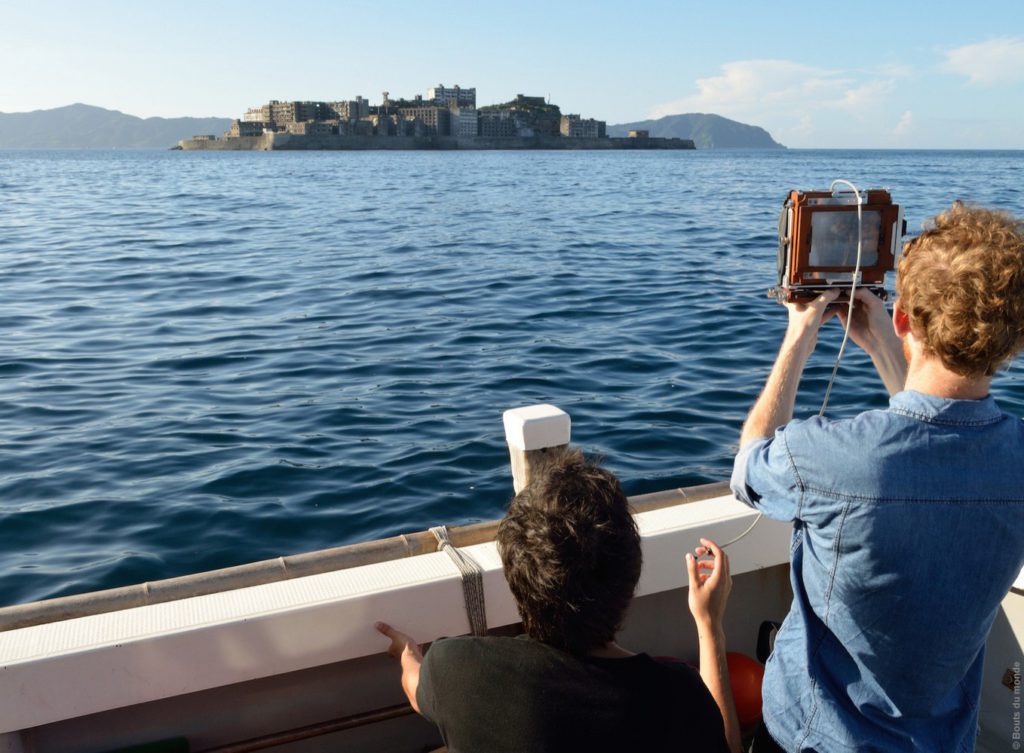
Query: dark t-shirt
x: 489, y: 695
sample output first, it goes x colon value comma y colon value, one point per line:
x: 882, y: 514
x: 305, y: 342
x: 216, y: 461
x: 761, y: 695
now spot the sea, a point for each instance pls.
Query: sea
x: 211, y: 358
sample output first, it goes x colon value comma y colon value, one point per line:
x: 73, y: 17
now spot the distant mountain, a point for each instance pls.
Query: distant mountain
x: 707, y: 131
x: 81, y: 126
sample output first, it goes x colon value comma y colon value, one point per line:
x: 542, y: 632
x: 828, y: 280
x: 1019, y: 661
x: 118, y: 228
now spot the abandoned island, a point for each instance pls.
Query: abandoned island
x: 447, y: 118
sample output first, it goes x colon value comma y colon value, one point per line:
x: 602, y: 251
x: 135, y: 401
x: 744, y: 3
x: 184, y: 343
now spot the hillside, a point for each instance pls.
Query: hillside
x: 707, y: 131
x: 81, y: 126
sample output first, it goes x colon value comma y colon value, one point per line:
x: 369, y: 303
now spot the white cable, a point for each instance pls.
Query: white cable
x: 853, y: 290
x: 749, y: 529
x: 846, y: 332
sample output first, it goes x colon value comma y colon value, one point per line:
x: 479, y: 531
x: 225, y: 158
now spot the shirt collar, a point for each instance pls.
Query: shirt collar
x: 943, y: 410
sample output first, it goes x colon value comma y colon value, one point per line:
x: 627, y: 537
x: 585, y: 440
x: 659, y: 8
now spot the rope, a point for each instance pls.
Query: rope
x: 472, y: 580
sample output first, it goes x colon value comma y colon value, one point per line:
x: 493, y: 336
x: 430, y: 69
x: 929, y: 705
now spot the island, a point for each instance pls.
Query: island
x: 446, y: 118
x: 707, y: 130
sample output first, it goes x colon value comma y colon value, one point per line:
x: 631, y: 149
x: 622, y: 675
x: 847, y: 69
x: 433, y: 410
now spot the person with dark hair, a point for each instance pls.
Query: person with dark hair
x: 908, y: 523
x: 571, y: 554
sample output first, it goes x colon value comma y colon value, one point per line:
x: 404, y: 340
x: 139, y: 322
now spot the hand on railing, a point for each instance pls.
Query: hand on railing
x: 408, y: 653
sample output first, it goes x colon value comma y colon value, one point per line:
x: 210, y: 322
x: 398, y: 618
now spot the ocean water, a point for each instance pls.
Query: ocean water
x: 213, y: 358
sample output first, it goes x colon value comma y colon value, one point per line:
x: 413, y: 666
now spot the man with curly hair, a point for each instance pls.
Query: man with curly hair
x: 571, y: 554
x: 908, y: 523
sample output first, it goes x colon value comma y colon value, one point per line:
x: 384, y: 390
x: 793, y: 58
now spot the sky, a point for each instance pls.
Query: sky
x: 867, y: 74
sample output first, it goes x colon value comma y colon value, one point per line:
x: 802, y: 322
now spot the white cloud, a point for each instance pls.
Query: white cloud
x: 804, y: 125
x: 747, y: 86
x: 993, y: 62
x: 895, y: 70
x: 798, y: 104
x: 864, y: 96
x: 905, y: 124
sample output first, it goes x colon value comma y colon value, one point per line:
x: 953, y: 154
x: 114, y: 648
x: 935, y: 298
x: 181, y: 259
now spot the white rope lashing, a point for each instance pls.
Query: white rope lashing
x: 472, y: 580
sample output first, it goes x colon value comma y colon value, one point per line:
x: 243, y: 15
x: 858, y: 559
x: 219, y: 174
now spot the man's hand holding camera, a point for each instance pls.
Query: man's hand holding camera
x: 805, y: 319
x: 871, y: 328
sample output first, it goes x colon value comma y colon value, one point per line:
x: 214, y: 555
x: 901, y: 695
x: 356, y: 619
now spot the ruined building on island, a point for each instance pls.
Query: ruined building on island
x: 446, y: 118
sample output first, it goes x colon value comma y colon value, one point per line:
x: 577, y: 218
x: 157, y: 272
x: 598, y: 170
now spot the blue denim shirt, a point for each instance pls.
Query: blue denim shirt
x: 908, y: 531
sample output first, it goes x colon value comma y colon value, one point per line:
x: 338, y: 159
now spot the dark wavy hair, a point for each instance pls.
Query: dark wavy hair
x: 571, y: 552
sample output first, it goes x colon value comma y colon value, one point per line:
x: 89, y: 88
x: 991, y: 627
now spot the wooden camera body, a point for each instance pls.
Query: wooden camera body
x: 818, y: 243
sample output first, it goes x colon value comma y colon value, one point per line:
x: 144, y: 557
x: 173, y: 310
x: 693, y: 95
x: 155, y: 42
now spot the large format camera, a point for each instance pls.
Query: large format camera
x: 818, y: 233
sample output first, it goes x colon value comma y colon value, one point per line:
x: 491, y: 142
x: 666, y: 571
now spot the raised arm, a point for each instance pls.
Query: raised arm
x: 710, y: 583
x: 408, y: 653
x: 775, y: 405
x: 872, y: 329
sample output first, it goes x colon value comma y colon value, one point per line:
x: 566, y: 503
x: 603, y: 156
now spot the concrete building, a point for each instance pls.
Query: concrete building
x: 362, y: 127
x: 352, y: 109
x: 257, y: 114
x: 384, y: 124
x: 444, y: 112
x: 297, y: 112
x: 464, y: 121
x: 312, y: 128
x: 282, y: 112
x: 575, y: 127
x: 436, y: 120
x: 456, y: 96
x: 498, y: 124
x: 246, y: 128
x: 341, y: 110
x: 312, y: 111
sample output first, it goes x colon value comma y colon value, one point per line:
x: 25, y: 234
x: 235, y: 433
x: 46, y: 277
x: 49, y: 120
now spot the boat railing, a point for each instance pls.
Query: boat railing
x: 294, y: 566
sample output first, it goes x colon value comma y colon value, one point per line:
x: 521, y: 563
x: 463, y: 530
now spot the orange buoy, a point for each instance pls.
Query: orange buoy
x: 745, y: 676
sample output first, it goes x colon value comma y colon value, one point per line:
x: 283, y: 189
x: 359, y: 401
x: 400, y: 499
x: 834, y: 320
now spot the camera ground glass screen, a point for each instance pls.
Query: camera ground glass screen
x: 834, y: 239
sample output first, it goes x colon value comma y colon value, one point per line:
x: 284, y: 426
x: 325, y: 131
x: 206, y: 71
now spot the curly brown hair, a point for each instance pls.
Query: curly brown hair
x: 961, y: 284
x: 571, y: 552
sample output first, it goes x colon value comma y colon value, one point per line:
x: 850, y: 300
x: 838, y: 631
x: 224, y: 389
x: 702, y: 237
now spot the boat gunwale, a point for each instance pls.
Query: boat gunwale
x: 283, y: 568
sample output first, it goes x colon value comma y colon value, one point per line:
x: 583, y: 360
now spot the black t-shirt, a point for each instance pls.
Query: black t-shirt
x: 489, y: 695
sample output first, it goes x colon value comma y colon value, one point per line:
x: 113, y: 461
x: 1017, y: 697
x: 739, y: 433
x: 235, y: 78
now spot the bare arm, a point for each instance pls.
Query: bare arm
x: 872, y: 329
x: 775, y: 405
x: 710, y: 584
x: 408, y: 653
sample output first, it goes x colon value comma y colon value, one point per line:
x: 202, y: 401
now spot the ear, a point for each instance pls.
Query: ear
x: 900, y: 320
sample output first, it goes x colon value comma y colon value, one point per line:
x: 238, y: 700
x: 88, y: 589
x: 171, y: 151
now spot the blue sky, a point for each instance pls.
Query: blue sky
x: 856, y: 74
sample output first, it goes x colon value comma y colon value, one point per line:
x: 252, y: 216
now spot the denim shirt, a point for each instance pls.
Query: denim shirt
x: 908, y: 531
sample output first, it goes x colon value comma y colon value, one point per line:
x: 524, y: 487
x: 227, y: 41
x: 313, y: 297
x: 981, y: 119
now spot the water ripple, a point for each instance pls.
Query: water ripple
x: 196, y: 372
